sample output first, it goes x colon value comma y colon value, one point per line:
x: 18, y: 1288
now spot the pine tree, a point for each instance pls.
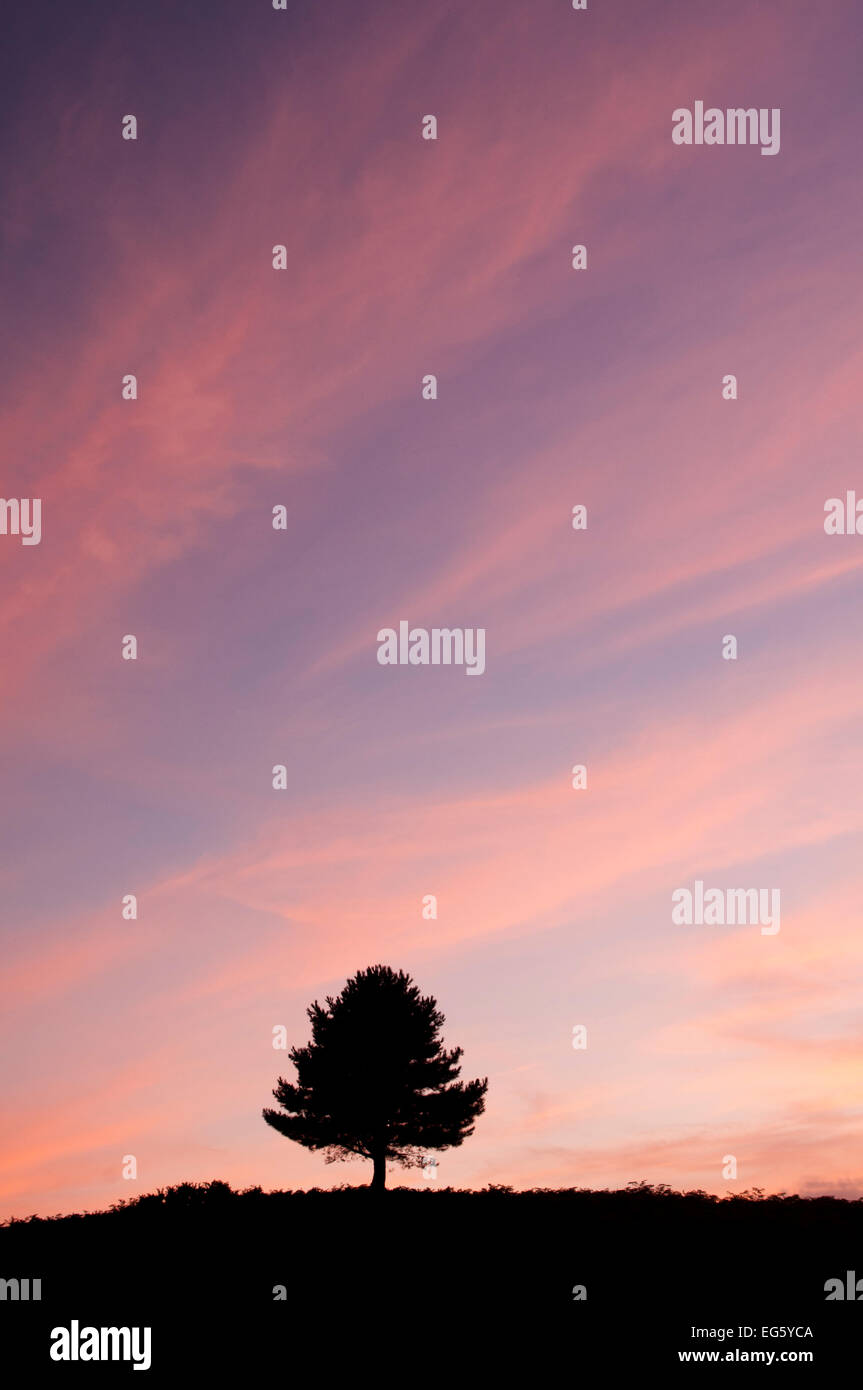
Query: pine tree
x: 376, y: 1079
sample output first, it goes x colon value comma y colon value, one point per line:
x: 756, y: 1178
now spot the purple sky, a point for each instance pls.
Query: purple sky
x: 257, y: 647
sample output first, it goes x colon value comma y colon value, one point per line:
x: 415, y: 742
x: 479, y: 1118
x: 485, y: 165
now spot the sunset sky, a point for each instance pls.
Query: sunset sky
x: 257, y: 647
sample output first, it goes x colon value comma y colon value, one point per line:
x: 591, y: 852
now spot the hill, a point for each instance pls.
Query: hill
x: 634, y: 1275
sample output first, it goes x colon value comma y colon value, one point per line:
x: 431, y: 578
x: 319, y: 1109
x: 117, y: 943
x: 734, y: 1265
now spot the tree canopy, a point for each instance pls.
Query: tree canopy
x: 375, y: 1080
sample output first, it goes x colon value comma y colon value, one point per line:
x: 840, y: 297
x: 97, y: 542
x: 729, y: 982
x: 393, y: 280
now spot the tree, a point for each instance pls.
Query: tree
x: 376, y: 1080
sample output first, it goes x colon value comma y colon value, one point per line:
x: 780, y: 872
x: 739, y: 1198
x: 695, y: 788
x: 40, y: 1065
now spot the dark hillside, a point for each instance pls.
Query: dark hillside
x: 199, y: 1263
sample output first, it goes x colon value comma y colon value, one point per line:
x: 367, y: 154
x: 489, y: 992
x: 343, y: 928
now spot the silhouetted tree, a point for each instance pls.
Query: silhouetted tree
x: 376, y: 1080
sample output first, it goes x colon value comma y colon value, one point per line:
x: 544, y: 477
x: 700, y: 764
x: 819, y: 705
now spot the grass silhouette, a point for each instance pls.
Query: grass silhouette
x: 253, y: 1265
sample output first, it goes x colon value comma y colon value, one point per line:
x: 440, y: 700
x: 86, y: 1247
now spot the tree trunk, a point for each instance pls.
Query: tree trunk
x: 379, y: 1177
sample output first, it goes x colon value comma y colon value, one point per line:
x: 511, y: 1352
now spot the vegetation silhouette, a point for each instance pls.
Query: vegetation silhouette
x: 227, y: 1276
x: 376, y: 1081
x: 221, y: 1274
